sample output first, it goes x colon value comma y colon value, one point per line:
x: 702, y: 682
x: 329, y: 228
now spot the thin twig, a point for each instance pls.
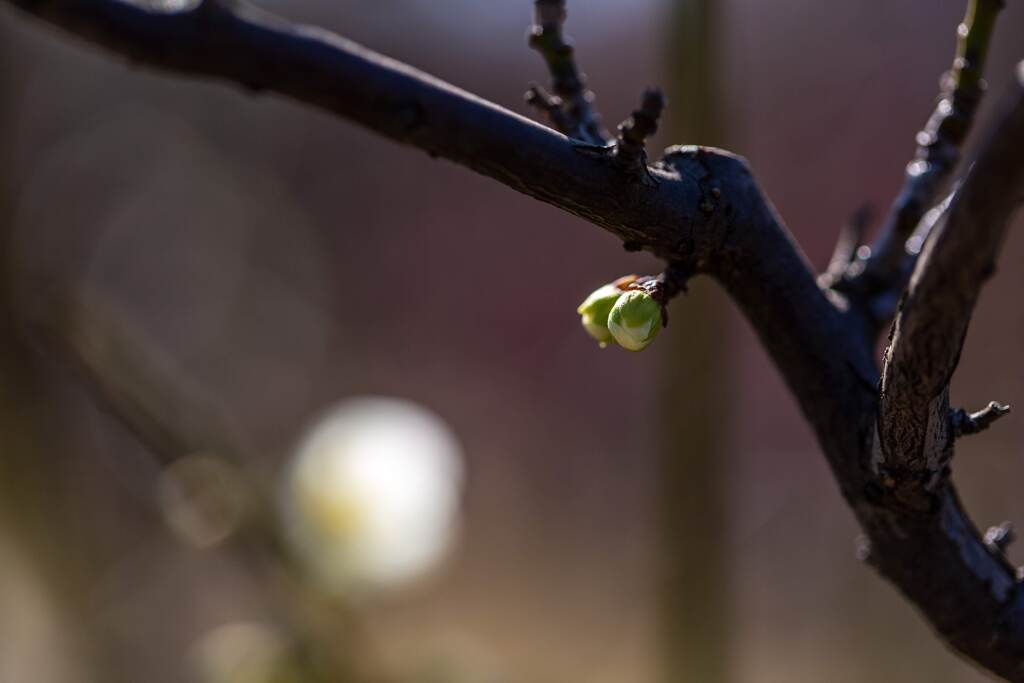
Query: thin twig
x: 572, y: 111
x: 965, y: 423
x: 630, y: 151
x: 885, y: 268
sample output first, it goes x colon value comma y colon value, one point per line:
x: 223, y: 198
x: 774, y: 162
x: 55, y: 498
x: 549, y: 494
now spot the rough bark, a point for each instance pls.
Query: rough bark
x: 703, y: 214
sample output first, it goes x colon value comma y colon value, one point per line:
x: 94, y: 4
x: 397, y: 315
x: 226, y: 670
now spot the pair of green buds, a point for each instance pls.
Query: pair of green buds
x: 622, y: 312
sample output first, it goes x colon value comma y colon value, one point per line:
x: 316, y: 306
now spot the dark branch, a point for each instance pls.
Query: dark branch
x: 264, y: 53
x: 929, y: 331
x: 707, y: 212
x: 571, y: 108
x: 922, y: 538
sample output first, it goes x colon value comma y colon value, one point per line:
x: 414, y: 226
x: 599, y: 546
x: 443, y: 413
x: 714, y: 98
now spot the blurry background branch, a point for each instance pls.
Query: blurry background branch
x: 211, y: 497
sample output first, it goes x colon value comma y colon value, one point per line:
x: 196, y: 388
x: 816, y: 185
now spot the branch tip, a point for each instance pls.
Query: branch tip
x: 965, y: 423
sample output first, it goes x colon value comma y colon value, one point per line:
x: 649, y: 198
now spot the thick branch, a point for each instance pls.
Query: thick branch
x: 243, y: 45
x: 929, y: 331
x: 923, y: 540
x: 706, y: 211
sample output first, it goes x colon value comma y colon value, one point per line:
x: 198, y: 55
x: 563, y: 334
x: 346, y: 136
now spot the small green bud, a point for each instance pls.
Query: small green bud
x: 635, y: 320
x: 594, y: 312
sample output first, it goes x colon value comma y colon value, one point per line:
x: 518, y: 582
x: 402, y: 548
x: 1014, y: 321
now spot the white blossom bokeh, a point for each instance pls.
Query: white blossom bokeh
x: 372, y: 495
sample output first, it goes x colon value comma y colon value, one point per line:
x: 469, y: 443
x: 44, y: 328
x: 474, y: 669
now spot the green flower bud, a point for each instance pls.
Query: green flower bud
x: 594, y: 312
x: 635, y: 319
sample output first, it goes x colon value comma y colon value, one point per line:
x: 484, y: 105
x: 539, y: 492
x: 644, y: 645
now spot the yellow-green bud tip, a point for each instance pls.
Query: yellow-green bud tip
x: 594, y: 313
x: 635, y: 320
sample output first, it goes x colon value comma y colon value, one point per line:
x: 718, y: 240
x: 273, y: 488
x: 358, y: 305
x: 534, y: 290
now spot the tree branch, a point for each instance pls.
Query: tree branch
x: 879, y: 274
x: 914, y: 423
x: 630, y: 150
x: 923, y: 540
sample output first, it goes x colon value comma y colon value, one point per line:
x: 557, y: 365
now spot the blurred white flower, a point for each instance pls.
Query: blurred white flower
x: 371, y: 500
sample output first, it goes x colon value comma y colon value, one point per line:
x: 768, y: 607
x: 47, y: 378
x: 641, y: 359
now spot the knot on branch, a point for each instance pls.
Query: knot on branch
x: 571, y: 108
x: 965, y: 423
x: 630, y: 149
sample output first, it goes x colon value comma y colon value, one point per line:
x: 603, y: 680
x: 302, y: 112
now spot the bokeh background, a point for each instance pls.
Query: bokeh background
x: 229, y: 267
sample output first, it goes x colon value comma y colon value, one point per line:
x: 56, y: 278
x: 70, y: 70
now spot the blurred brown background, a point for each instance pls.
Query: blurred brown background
x: 280, y: 260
